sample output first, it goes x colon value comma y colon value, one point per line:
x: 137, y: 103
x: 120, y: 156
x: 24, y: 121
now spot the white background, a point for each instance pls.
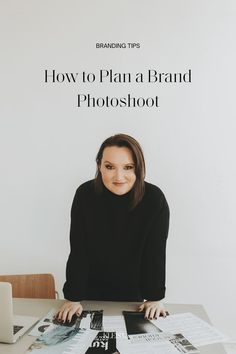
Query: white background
x: 48, y: 145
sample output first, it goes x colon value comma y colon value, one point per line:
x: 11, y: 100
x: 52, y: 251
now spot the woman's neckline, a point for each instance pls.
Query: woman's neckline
x: 117, y: 197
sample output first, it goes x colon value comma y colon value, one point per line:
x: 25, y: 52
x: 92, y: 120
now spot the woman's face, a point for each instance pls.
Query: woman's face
x: 118, y: 169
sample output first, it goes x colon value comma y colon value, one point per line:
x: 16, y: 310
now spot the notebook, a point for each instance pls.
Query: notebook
x: 11, y: 327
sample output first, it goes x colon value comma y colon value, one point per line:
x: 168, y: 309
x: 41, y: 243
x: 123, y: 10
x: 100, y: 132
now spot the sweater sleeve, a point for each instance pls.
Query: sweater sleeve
x: 77, y: 265
x: 154, y: 255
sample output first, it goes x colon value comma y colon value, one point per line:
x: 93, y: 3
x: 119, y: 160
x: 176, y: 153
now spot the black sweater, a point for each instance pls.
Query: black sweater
x: 116, y: 253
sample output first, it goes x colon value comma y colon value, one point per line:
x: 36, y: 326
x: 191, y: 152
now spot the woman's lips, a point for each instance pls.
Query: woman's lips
x: 119, y: 184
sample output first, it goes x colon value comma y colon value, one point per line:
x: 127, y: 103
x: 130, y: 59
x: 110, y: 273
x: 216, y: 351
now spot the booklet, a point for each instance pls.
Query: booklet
x: 92, y: 319
x: 59, y: 338
x: 105, y: 342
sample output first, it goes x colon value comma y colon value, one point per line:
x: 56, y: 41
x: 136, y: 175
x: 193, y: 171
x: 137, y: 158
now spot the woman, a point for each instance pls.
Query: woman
x: 119, y: 227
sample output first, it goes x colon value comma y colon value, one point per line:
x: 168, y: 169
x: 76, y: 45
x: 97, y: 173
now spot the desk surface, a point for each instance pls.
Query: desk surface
x: 36, y: 307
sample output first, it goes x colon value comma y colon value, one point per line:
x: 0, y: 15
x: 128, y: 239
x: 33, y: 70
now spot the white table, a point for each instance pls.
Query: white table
x: 38, y: 308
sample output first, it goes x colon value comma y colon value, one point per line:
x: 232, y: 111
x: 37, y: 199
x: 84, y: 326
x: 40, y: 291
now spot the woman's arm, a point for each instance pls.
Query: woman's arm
x: 77, y: 265
x: 152, y: 309
x: 68, y: 309
x: 154, y: 260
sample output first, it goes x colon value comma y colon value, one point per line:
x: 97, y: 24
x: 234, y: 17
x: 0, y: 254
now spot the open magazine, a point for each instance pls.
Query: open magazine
x: 131, y: 333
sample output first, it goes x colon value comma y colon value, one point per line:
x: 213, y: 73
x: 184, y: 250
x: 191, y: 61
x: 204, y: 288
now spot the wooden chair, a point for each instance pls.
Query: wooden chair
x: 40, y: 286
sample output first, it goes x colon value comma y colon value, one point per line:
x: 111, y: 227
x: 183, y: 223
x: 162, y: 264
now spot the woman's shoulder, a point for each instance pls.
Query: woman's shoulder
x: 153, y: 191
x: 154, y: 195
x: 85, y: 189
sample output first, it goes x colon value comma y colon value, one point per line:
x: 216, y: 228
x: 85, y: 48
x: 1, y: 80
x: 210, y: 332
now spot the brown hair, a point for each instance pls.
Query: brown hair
x: 123, y: 140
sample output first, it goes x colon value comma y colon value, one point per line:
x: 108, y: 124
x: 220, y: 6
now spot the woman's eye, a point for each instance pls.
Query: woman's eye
x: 109, y: 167
x: 129, y: 167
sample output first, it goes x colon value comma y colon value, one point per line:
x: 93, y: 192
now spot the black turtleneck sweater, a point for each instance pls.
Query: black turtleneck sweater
x: 116, y: 253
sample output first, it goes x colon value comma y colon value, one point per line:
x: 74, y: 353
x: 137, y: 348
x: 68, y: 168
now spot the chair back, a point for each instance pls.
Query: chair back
x: 40, y: 286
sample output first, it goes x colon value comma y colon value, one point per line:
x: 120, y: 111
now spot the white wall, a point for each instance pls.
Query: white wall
x: 48, y: 146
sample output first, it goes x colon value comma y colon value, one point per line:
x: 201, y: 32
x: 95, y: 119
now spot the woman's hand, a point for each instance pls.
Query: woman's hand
x: 152, y: 309
x: 68, y: 309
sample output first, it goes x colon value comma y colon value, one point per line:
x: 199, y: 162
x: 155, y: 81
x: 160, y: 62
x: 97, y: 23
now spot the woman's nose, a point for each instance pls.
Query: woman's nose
x: 119, y: 175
